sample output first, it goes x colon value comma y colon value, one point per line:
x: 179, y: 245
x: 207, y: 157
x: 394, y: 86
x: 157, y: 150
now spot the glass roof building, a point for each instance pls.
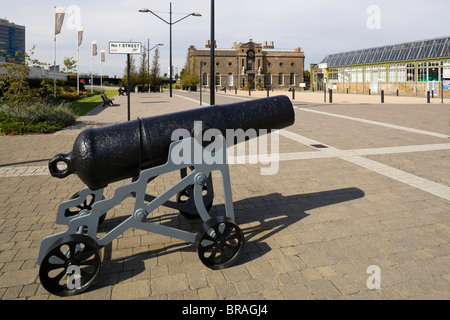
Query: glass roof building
x: 410, y: 68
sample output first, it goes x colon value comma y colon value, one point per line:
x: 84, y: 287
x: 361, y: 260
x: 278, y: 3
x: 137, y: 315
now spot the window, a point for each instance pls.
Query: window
x: 392, y: 73
x: 205, y: 79
x: 368, y: 75
x: 230, y: 80
x: 433, y: 71
x: 292, y: 79
x: 382, y: 74
x: 422, y: 72
x: 269, y: 79
x: 230, y: 64
x: 401, y: 75
x: 410, y: 72
x: 217, y: 79
x: 280, y: 79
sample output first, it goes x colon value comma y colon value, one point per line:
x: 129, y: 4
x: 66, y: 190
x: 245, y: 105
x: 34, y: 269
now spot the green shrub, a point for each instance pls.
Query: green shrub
x: 36, y: 118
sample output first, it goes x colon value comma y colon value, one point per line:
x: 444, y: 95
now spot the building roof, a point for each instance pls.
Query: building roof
x: 416, y: 50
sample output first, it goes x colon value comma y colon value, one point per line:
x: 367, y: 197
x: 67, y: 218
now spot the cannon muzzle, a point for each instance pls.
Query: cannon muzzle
x: 112, y: 153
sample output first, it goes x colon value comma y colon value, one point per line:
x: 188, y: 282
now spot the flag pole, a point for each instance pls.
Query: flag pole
x: 59, y: 20
x: 79, y: 41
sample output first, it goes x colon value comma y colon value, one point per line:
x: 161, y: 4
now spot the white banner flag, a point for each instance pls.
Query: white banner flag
x: 102, y: 55
x: 94, y: 48
x: 59, y: 19
x: 80, y: 35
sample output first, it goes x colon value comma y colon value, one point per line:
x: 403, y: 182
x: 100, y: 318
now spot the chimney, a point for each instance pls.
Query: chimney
x: 208, y: 45
x: 272, y: 45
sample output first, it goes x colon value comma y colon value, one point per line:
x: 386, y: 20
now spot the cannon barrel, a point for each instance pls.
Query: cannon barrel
x: 112, y: 153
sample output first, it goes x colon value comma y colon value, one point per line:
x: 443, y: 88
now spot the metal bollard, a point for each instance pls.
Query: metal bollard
x: 382, y: 96
x: 330, y: 92
x: 293, y: 94
x: 428, y: 96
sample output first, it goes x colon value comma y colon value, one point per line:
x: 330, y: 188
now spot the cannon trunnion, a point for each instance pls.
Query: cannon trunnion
x: 142, y: 150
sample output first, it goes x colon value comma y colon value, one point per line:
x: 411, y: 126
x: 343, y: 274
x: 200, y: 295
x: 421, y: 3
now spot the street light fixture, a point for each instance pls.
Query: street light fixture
x: 170, y: 23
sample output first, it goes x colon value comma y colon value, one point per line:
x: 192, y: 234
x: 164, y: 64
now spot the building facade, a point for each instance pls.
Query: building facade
x: 249, y: 65
x: 12, y: 40
x: 411, y: 68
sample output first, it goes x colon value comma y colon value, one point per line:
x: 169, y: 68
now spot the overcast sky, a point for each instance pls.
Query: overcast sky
x: 318, y: 27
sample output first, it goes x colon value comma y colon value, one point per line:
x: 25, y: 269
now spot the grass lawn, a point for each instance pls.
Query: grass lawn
x: 84, y: 105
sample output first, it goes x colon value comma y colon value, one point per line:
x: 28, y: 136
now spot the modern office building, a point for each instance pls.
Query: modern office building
x: 12, y: 40
x: 249, y: 64
x: 410, y: 68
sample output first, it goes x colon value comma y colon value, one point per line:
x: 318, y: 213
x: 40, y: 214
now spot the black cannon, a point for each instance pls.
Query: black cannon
x: 142, y: 150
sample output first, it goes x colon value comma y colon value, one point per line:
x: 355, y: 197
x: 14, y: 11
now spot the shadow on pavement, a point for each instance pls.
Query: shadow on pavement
x: 274, y: 212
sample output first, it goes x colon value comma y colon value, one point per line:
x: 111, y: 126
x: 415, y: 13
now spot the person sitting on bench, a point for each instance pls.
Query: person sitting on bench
x: 121, y: 91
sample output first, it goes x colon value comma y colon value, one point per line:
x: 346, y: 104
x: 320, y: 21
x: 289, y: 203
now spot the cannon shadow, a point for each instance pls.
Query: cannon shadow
x: 259, y: 217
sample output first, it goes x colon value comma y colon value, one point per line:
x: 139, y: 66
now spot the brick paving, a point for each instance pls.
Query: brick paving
x: 312, y: 230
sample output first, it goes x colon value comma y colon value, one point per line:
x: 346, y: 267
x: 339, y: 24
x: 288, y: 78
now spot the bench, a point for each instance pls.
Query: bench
x: 106, y: 101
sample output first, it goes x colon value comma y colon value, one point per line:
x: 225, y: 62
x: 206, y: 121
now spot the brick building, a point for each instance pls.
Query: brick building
x: 249, y: 64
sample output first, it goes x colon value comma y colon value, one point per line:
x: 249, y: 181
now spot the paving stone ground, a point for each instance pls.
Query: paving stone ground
x: 378, y: 195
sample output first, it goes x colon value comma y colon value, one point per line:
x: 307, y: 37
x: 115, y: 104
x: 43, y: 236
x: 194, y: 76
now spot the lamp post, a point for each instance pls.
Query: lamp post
x: 148, y: 60
x: 170, y: 23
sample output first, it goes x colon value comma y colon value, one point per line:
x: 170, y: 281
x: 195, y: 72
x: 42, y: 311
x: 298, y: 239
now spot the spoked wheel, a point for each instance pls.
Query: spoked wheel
x: 219, y: 243
x: 87, y: 204
x: 70, y: 266
x: 188, y: 195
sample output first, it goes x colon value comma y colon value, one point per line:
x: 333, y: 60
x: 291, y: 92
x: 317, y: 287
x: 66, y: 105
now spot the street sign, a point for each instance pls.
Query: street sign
x: 125, y: 48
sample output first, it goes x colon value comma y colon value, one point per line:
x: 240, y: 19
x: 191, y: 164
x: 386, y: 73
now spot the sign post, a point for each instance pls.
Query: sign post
x: 127, y: 48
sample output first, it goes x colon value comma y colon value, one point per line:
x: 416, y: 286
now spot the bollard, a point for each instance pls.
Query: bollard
x: 330, y: 91
x: 268, y: 92
x: 249, y: 92
x: 428, y: 96
x: 293, y: 94
x: 235, y: 90
x: 382, y: 96
x: 369, y: 92
x: 397, y: 92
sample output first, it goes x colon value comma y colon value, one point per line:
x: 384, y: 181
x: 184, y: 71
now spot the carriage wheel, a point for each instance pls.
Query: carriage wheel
x: 70, y: 266
x: 219, y: 243
x: 87, y: 204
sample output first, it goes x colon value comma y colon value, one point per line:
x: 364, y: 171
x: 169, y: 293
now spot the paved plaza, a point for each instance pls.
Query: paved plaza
x: 361, y: 186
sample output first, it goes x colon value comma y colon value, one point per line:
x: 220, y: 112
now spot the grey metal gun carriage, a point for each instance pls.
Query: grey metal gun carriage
x: 142, y: 150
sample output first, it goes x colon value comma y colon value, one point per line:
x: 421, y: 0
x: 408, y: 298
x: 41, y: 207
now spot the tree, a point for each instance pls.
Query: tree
x: 187, y: 75
x: 133, y: 72
x: 69, y: 65
x: 143, y: 74
x: 15, y: 93
x: 155, y: 71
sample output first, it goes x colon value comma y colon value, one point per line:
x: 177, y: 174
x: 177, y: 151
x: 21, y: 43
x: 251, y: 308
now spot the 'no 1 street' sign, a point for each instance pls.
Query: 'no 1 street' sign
x: 125, y: 48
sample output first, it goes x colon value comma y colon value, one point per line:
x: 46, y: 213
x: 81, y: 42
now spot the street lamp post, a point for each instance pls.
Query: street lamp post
x: 170, y: 23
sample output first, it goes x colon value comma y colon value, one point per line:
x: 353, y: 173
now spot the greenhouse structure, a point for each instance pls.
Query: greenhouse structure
x: 411, y: 68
